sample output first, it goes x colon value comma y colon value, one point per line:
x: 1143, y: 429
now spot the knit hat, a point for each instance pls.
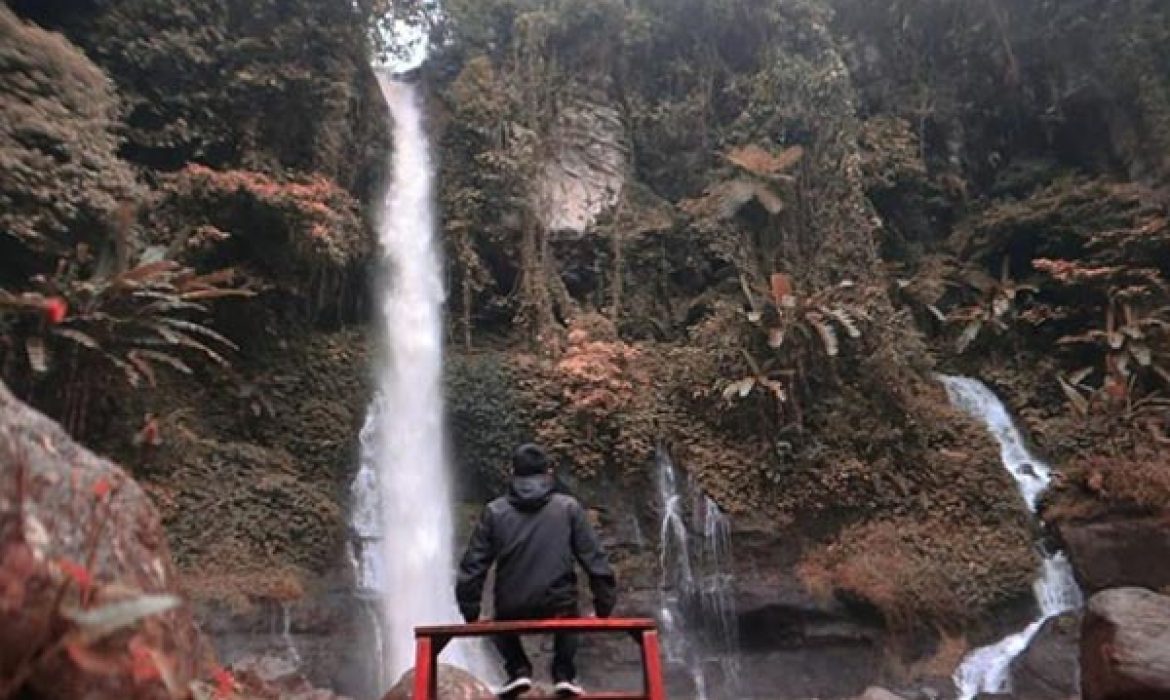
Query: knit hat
x: 528, y: 459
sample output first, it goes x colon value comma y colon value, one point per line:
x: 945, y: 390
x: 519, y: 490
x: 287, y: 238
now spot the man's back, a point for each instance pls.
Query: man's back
x: 535, y: 537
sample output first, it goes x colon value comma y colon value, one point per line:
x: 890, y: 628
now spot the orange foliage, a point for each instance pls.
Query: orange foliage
x: 1068, y: 271
x: 313, y: 195
x: 318, y: 199
x: 599, y: 377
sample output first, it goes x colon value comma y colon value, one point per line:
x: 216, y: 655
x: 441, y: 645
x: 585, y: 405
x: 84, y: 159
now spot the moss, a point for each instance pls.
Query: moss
x: 63, y: 180
x: 193, y: 77
x: 486, y: 420
x: 924, y: 574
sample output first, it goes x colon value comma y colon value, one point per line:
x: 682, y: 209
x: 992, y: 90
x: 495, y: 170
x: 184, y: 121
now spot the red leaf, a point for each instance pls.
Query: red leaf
x: 142, y: 661
x: 55, y: 309
x: 225, y: 683
x: 91, y: 661
x: 781, y: 288
x: 101, y: 488
x: 80, y: 575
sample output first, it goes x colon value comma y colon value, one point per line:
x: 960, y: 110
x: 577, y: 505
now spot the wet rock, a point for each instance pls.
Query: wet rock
x: 1048, y: 668
x: 454, y: 684
x: 271, y: 678
x: 586, y: 172
x: 1125, y: 646
x: 876, y: 693
x: 1120, y: 552
x: 326, y: 637
x: 76, y: 531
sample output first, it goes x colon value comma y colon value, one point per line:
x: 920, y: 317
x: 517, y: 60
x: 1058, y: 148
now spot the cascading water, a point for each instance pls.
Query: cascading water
x: 402, y: 498
x: 987, y: 669
x: 697, y: 608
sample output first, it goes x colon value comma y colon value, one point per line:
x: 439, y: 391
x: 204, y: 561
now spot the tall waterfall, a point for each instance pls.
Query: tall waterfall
x: 987, y: 669
x: 697, y: 606
x: 402, y: 496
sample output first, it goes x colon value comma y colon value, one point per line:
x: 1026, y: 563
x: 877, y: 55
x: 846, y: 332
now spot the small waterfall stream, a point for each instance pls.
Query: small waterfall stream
x: 987, y: 669
x: 697, y: 610
x: 402, y: 515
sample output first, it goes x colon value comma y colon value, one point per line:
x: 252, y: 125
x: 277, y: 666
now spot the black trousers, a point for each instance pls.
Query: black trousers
x: 516, y: 661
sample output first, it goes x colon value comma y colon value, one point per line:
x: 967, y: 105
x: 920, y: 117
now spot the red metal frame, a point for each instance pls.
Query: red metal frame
x: 429, y: 641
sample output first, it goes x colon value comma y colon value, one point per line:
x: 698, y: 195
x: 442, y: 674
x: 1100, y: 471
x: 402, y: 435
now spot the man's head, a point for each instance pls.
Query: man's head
x: 529, y: 460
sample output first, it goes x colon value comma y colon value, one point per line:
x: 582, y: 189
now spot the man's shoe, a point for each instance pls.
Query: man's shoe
x: 515, y: 687
x: 568, y: 689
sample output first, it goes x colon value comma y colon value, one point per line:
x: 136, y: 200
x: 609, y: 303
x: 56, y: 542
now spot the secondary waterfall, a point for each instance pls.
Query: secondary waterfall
x: 697, y: 610
x: 402, y: 519
x: 987, y: 669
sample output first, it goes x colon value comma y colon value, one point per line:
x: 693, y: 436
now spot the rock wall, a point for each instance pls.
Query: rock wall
x: 207, y: 156
x: 731, y: 303
x: 747, y: 231
x: 826, y: 202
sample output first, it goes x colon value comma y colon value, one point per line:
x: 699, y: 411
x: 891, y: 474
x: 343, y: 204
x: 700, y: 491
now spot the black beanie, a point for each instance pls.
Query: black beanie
x: 528, y: 460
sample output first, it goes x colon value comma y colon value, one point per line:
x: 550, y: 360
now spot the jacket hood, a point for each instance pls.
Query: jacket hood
x: 530, y: 492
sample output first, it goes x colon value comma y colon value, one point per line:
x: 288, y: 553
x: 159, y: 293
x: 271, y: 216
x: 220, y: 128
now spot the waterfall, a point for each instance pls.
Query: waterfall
x: 402, y: 519
x: 987, y: 669
x: 697, y: 609
x: 286, y: 635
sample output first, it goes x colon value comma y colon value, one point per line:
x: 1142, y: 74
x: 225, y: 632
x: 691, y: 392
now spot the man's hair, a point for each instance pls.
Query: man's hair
x: 528, y: 459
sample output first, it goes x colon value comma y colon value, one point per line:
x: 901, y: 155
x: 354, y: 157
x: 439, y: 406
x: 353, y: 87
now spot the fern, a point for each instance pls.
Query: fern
x: 131, y: 323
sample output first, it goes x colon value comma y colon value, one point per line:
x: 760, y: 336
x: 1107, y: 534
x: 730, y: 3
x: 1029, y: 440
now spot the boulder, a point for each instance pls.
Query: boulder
x: 1047, y: 670
x: 1119, y: 552
x: 1125, y: 646
x: 875, y: 693
x: 454, y: 684
x: 77, y: 535
x: 272, y: 678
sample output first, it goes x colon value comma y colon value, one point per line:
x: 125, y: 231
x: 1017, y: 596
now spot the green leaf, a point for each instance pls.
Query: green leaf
x: 1079, y: 403
x: 847, y: 322
x: 968, y: 335
x: 1080, y: 375
x: 77, y: 337
x: 98, y: 623
x: 38, y: 357
x: 199, y: 329
x: 740, y: 388
x: 1142, y: 353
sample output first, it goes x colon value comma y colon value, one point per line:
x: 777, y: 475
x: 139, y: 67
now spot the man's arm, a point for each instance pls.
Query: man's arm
x: 473, y: 568
x: 590, y: 554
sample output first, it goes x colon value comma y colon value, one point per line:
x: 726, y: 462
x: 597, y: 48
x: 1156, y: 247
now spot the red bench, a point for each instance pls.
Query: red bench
x: 429, y: 641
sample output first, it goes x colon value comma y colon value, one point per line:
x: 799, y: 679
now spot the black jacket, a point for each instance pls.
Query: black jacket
x: 534, y: 535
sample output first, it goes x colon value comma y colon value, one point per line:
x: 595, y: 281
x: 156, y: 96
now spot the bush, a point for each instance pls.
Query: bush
x: 62, y: 180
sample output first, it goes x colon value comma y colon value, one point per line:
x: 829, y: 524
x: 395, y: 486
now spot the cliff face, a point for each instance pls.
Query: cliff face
x: 191, y: 188
x: 744, y: 232
x: 799, y: 213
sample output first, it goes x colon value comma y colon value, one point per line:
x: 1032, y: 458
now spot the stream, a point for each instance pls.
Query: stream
x: 988, y: 669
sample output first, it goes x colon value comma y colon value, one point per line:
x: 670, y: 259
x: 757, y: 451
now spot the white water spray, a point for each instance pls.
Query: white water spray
x: 290, y: 646
x: 987, y: 669
x: 402, y: 510
x: 697, y: 605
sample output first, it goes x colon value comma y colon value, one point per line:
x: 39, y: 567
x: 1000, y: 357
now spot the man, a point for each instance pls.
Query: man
x: 534, y: 534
